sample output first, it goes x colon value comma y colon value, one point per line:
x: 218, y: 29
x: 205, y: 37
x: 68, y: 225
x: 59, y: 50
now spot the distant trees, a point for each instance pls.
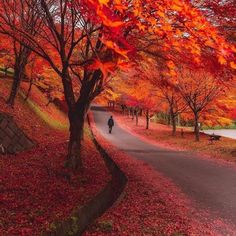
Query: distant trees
x: 198, y: 88
x: 174, y: 99
x: 84, y: 42
x: 194, y: 94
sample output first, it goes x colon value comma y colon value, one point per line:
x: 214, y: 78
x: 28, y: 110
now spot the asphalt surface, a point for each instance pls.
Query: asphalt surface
x: 210, y: 185
x: 229, y: 133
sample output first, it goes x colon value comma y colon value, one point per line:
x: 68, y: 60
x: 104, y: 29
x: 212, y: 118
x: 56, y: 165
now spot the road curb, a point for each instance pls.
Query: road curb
x: 83, y: 217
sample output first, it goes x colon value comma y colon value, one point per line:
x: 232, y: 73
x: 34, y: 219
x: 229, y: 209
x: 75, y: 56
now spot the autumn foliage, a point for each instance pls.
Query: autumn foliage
x: 174, y: 58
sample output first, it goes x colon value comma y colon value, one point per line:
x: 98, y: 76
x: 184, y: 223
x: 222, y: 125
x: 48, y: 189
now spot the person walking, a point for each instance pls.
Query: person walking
x: 110, y: 124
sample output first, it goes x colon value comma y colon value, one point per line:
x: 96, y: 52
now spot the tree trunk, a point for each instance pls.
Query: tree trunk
x: 14, y: 88
x: 168, y: 118
x: 21, y: 59
x: 136, y: 115
x: 29, y: 89
x: 123, y: 109
x: 132, y: 113
x: 77, y: 118
x: 5, y: 71
x: 76, y: 135
x: 173, y: 121
x: 196, y: 127
x: 147, y: 119
x: 77, y: 114
x: 178, y: 120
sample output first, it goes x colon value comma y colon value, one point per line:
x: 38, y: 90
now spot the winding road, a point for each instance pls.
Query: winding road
x: 209, y: 184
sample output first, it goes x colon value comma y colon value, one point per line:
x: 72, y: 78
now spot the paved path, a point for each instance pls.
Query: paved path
x: 211, y: 185
x: 229, y: 133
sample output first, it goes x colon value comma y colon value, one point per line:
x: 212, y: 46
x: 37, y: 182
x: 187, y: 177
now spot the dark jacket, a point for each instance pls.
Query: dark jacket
x: 110, y: 122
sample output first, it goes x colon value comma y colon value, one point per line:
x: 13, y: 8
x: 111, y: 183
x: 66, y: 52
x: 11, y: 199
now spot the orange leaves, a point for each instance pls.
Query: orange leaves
x: 106, y: 14
x: 233, y: 65
x: 161, y: 14
x: 137, y: 8
x: 222, y: 60
x: 104, y: 2
x: 109, y: 67
x: 112, y: 45
x: 176, y: 7
x: 177, y: 25
x: 171, y: 73
x: 170, y: 64
x: 106, y: 20
x: 105, y: 67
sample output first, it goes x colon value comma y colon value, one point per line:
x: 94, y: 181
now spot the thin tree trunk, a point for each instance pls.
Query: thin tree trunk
x: 132, y: 113
x: 136, y: 115
x: 168, y: 118
x: 21, y: 59
x: 14, y: 89
x: 29, y: 89
x: 173, y: 121
x: 5, y: 71
x: 178, y: 120
x: 147, y: 119
x: 19, y: 70
x: 196, y: 127
x: 123, y: 109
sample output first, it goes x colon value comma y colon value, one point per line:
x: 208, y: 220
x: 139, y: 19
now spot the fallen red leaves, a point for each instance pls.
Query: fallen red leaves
x: 35, y: 187
x: 152, y: 205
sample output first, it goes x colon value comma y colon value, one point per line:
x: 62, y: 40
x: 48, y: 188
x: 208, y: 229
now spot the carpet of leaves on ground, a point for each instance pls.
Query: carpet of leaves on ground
x: 161, y: 135
x: 152, y: 205
x: 35, y: 187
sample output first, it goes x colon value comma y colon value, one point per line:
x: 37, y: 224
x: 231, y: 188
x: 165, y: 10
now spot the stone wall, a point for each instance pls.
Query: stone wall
x: 12, y: 138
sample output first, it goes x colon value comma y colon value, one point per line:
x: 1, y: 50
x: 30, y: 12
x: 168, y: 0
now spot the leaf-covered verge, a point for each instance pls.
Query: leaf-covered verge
x: 152, y: 205
x: 161, y: 135
x: 35, y: 188
x: 33, y: 116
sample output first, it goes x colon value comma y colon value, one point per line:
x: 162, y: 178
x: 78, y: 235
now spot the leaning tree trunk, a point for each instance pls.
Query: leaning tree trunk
x: 19, y: 73
x: 196, y: 127
x: 29, y: 89
x: 147, y: 119
x: 15, y: 85
x: 173, y: 121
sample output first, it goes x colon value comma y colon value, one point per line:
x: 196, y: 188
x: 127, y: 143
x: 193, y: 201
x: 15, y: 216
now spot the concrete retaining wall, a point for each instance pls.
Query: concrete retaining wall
x: 12, y: 138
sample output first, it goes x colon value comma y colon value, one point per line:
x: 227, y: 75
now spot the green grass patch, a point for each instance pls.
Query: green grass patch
x: 105, y: 225
x: 8, y: 72
x: 56, y: 124
x: 233, y: 126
